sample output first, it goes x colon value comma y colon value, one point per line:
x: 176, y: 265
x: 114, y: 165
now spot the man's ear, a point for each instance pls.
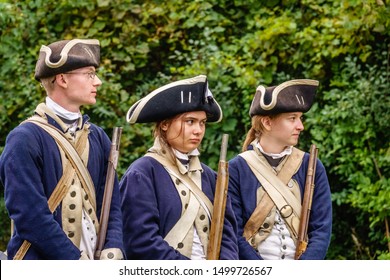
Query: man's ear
x: 61, y: 80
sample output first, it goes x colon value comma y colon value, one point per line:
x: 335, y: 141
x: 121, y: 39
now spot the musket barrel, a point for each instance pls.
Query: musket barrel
x: 108, y: 190
x: 302, y: 239
x: 221, y: 188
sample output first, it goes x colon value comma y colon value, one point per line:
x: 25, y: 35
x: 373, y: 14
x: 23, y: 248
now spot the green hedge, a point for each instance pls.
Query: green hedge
x: 238, y: 45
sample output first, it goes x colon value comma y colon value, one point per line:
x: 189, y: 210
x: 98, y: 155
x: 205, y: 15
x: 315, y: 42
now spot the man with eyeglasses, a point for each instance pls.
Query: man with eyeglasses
x: 54, y: 164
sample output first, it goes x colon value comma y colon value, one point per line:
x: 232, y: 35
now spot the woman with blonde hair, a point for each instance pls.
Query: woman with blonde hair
x: 267, y: 180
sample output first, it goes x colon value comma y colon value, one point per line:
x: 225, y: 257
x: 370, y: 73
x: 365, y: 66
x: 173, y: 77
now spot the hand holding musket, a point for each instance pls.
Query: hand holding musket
x: 307, y: 201
x: 217, y: 221
x: 110, y: 177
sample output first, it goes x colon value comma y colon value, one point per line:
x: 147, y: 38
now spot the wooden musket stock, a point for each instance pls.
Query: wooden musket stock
x: 110, y: 178
x: 306, y: 204
x: 221, y: 188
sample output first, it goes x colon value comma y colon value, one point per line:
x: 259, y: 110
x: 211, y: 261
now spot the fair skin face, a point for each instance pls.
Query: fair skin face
x: 281, y: 132
x: 186, y: 132
x: 75, y: 89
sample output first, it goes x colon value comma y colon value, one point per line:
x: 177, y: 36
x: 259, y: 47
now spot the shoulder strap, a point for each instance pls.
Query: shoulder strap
x: 202, y: 198
x: 71, y: 153
x: 276, y: 191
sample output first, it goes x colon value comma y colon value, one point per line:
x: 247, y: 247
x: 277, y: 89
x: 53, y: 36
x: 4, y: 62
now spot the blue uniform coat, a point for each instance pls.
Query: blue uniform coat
x: 30, y: 168
x: 151, y: 206
x: 243, y: 185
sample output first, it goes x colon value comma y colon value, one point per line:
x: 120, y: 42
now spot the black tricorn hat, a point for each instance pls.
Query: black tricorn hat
x: 175, y: 98
x: 67, y: 55
x: 291, y: 96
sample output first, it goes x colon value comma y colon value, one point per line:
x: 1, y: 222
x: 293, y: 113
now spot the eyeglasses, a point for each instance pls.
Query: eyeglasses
x: 90, y: 74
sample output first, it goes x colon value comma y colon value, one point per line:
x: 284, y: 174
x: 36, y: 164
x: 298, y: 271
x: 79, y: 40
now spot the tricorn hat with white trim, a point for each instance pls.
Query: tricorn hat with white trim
x: 291, y: 96
x: 175, y: 98
x: 67, y: 55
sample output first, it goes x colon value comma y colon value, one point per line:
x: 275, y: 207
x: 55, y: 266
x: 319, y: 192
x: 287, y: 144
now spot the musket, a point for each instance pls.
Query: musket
x: 221, y: 188
x: 302, y: 239
x: 108, y: 189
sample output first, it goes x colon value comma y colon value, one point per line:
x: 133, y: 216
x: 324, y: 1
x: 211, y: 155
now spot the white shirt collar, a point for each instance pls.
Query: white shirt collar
x: 181, y: 155
x: 285, y: 152
x: 60, y: 111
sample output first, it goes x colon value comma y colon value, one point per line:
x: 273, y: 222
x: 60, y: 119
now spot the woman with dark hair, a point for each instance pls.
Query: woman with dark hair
x: 167, y: 195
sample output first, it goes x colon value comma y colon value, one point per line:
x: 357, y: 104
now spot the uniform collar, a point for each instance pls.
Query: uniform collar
x: 194, y: 162
x: 44, y: 111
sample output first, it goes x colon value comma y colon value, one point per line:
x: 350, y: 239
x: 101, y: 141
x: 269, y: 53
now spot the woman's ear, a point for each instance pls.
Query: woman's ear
x: 267, y: 122
x: 164, y: 125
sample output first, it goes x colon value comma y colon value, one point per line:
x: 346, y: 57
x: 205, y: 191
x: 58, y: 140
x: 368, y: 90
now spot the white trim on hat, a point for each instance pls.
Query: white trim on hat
x: 281, y: 87
x: 64, y: 52
x: 136, y: 109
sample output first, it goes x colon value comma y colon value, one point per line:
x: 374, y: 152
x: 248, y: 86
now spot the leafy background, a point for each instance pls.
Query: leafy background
x: 238, y: 44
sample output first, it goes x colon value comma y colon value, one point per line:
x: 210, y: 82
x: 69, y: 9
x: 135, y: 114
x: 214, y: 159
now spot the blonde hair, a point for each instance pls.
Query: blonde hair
x: 47, y: 84
x: 256, y: 130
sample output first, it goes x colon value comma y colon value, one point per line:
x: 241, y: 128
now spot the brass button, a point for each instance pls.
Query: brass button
x: 286, y: 211
x: 72, y: 207
x: 202, y: 217
x: 180, y: 245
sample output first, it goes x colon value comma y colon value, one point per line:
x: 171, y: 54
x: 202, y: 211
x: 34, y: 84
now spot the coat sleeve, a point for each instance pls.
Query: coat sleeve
x: 246, y: 251
x: 143, y: 237
x: 21, y: 169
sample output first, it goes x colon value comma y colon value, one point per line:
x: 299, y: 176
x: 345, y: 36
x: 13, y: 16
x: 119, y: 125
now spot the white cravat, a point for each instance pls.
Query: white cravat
x: 286, y: 151
x: 60, y: 111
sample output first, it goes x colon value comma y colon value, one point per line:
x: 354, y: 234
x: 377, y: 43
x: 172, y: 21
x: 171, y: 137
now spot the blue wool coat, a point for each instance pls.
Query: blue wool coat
x: 30, y: 168
x: 243, y: 185
x: 151, y: 206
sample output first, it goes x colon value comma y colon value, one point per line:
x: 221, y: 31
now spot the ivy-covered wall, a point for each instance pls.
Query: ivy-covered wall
x: 238, y: 44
